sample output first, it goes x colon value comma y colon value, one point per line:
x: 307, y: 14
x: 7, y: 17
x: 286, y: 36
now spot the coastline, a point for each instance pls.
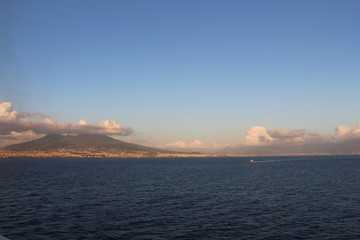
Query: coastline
x: 102, y: 154
x: 136, y: 154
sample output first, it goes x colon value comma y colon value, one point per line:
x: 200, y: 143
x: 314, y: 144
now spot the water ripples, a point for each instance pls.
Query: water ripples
x: 214, y: 198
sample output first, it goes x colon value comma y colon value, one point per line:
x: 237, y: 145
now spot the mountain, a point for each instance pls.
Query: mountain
x: 55, y: 141
x: 82, y: 145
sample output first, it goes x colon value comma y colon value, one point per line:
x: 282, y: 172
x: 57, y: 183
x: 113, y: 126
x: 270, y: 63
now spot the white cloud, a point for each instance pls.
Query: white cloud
x: 261, y: 141
x: 197, y: 144
x: 194, y: 145
x: 344, y: 132
x: 177, y: 144
x: 18, y: 137
x: 12, y: 121
x: 258, y: 135
x: 82, y: 122
x: 109, y: 124
x: 182, y: 144
x: 7, y: 111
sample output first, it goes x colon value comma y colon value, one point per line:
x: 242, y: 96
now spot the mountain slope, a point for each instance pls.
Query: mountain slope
x: 91, y: 143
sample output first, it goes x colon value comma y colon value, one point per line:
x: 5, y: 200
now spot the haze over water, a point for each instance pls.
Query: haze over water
x: 200, y: 198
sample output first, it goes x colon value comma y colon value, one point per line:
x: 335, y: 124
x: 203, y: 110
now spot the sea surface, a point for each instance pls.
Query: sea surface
x: 181, y: 198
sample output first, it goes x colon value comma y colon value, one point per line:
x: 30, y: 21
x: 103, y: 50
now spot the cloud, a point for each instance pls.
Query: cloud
x: 182, y: 144
x: 261, y: 141
x: 13, y: 122
x: 18, y: 137
x: 258, y: 135
x: 195, y: 145
x: 344, y: 132
x: 82, y: 122
x: 286, y: 133
x: 177, y: 144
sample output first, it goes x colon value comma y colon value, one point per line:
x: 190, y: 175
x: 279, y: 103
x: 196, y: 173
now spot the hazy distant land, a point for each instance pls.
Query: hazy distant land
x: 82, y: 146
x: 102, y: 146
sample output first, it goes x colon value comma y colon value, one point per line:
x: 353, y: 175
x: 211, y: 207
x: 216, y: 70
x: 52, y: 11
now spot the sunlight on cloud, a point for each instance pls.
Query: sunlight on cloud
x: 195, y: 145
x: 82, y: 122
x: 16, y: 126
x: 18, y: 137
x: 344, y: 132
x: 6, y: 111
x: 261, y: 141
x: 177, y: 144
x: 109, y: 124
x: 258, y: 135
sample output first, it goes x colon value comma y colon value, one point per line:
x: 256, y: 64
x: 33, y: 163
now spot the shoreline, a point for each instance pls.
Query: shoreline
x: 139, y: 154
x: 80, y: 154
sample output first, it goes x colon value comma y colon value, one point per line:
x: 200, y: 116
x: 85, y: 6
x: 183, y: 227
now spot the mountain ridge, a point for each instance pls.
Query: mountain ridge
x: 85, y: 145
x: 55, y: 141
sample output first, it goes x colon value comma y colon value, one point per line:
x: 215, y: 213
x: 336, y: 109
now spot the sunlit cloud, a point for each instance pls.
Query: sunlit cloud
x: 195, y: 145
x: 177, y: 144
x: 258, y: 135
x: 182, y: 144
x: 15, y: 124
x: 18, y: 137
x: 17, y: 127
x: 261, y: 141
x: 82, y: 122
x: 344, y: 132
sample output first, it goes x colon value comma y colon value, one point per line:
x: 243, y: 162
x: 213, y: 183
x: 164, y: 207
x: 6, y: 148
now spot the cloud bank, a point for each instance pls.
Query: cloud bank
x: 18, y: 126
x: 191, y: 146
x: 257, y: 136
x: 344, y: 132
x: 261, y: 141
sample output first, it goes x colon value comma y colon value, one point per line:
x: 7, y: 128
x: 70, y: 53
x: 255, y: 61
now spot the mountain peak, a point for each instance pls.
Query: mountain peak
x: 87, y: 145
x: 55, y: 141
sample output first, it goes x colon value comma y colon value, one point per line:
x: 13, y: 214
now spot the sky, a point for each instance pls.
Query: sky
x: 181, y: 74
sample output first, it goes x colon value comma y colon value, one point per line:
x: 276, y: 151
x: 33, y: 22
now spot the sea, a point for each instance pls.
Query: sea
x: 311, y: 197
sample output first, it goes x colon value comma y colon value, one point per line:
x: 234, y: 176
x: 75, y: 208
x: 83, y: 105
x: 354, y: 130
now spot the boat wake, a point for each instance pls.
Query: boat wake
x: 252, y: 161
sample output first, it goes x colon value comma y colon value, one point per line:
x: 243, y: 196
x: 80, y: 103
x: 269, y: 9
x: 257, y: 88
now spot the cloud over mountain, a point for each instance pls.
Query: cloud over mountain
x: 18, y: 126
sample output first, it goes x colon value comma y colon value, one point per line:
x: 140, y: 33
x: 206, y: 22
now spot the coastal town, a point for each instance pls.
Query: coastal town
x: 66, y: 153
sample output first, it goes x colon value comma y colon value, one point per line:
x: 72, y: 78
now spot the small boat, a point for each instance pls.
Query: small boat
x: 252, y: 161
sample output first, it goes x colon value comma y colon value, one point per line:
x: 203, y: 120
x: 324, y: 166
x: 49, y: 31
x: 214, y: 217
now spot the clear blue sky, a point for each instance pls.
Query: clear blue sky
x: 185, y: 70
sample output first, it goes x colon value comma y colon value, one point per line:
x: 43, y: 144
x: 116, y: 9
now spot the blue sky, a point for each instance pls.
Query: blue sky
x: 185, y: 70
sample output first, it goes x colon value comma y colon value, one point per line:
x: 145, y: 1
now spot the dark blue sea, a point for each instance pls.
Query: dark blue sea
x: 183, y: 198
